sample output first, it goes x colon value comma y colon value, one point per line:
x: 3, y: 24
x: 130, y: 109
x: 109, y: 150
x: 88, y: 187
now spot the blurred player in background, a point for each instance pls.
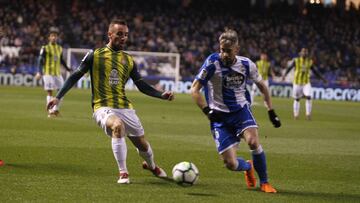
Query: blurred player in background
x: 110, y: 68
x: 49, y: 62
x: 223, y: 76
x: 301, y: 82
x: 264, y: 68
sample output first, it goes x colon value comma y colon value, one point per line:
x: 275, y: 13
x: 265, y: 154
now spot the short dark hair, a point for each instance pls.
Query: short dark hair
x: 118, y: 21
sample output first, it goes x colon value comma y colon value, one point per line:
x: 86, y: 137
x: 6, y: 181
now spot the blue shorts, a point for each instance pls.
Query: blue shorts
x: 228, y: 132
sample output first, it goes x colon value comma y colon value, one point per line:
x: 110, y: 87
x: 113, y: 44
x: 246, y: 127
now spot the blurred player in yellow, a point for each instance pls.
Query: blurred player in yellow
x: 110, y: 68
x: 264, y: 68
x: 301, y: 82
x: 49, y: 62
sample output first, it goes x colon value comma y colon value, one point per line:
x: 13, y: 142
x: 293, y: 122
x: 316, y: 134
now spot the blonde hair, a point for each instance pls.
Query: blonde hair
x: 229, y: 37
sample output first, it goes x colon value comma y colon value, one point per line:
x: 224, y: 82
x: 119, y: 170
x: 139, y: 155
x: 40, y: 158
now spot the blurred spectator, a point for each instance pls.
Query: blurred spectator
x: 188, y: 27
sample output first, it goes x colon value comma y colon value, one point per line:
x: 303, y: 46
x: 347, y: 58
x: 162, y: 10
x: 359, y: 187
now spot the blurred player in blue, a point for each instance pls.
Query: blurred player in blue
x: 223, y: 76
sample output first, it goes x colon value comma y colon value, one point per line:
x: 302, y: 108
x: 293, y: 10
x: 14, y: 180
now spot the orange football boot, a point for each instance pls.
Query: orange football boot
x: 250, y: 175
x: 266, y: 187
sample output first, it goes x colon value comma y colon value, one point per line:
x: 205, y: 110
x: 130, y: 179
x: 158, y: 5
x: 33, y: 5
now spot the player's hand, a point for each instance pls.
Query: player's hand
x: 274, y: 118
x: 52, y: 103
x: 283, y: 78
x: 38, y: 76
x: 168, y: 95
x: 213, y: 115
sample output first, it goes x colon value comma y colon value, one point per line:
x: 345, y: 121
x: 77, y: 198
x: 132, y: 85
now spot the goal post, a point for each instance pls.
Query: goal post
x: 154, y: 67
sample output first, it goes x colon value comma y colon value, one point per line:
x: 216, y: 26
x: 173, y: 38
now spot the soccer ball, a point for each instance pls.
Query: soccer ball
x: 185, y: 173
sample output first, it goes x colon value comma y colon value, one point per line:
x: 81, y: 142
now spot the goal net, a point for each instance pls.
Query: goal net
x: 157, y: 68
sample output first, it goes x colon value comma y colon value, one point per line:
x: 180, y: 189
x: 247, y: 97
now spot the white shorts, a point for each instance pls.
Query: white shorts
x: 131, y: 121
x: 52, y: 82
x: 302, y: 90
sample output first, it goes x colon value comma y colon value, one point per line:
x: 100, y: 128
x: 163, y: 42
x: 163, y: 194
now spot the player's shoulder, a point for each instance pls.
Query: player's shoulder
x: 212, y: 58
x: 127, y: 54
x: 244, y: 60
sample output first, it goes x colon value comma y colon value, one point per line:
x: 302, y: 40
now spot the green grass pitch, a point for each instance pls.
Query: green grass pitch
x: 69, y: 159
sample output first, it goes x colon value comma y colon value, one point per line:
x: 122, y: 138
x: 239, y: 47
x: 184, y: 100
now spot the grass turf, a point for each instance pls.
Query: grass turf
x: 70, y: 159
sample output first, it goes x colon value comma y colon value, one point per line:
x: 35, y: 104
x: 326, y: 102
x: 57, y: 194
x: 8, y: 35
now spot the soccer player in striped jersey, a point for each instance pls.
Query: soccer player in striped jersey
x: 223, y: 77
x: 264, y: 68
x: 49, y: 62
x: 301, y: 83
x: 110, y: 68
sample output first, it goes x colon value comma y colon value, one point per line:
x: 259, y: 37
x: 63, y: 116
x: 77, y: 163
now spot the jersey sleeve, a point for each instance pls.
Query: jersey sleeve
x: 86, y: 62
x: 253, y: 72
x: 40, y: 59
x: 207, y: 70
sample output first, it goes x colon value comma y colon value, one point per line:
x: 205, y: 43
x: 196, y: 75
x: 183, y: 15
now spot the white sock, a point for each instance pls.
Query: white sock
x: 119, y: 149
x: 296, y: 108
x: 57, y: 106
x: 48, y: 98
x: 148, y: 157
x: 308, y: 106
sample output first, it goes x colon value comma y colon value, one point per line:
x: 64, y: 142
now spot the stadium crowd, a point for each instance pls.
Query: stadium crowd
x: 190, y: 28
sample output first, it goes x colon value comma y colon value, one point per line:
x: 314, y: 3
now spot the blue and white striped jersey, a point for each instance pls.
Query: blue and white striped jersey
x: 225, y: 87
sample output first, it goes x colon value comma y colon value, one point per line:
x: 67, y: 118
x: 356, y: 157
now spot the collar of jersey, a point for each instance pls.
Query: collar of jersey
x: 113, y: 49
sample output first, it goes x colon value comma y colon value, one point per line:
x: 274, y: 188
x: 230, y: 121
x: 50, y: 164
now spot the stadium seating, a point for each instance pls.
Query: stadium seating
x: 332, y: 35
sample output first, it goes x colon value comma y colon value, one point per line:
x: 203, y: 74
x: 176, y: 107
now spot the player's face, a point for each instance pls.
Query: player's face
x: 228, y: 53
x: 304, y: 52
x: 263, y: 57
x: 118, y: 35
x: 53, y: 37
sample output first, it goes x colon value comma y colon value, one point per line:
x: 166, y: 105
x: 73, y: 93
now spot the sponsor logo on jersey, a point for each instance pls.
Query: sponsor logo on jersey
x: 114, y: 77
x: 233, y: 80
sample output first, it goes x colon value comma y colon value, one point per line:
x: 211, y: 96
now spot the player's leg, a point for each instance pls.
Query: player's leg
x: 259, y: 159
x: 59, y: 82
x: 49, y: 84
x: 145, y: 151
x: 308, y: 103
x: 136, y: 135
x: 114, y: 127
x: 297, y: 94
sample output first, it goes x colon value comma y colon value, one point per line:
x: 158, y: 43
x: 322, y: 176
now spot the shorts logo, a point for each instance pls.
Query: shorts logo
x: 114, y: 77
x: 233, y: 80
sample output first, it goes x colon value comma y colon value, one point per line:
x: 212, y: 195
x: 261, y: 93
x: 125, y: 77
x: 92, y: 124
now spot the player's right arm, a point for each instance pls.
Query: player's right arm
x: 83, y: 68
x: 40, y: 63
x: 290, y: 66
x: 206, y: 72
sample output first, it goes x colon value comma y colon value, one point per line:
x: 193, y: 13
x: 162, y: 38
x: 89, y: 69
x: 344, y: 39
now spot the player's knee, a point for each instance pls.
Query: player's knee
x: 253, y: 143
x: 297, y: 99
x: 308, y: 97
x: 118, y: 129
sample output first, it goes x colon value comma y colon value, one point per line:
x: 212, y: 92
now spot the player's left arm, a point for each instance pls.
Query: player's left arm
x: 272, y: 71
x: 64, y: 63
x: 254, y: 75
x: 317, y: 73
x: 148, y: 89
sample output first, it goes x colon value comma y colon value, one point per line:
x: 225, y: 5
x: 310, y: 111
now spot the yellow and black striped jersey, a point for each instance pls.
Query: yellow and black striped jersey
x: 263, y: 68
x: 51, y: 55
x: 109, y: 72
x: 302, y: 70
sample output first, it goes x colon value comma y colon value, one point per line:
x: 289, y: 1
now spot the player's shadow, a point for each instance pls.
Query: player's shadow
x: 201, y: 194
x: 321, y: 195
